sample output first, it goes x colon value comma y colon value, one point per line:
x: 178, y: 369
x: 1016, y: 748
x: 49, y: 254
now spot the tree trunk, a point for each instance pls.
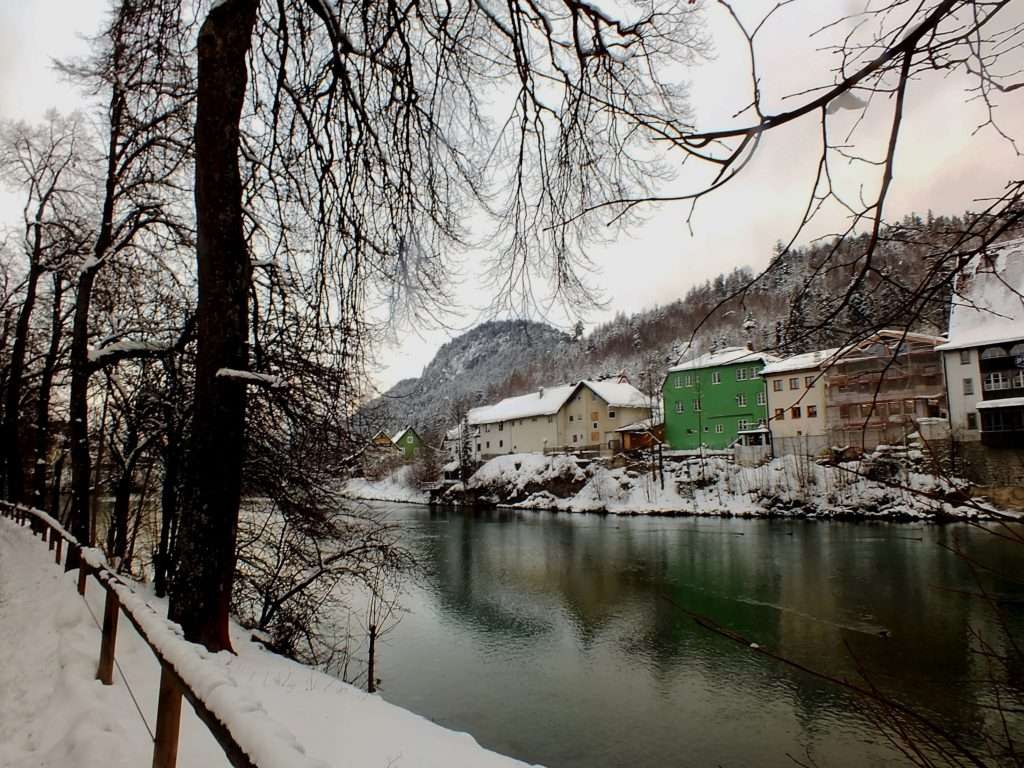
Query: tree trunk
x: 371, y: 681
x: 201, y: 589
x: 42, y: 430
x: 13, y: 464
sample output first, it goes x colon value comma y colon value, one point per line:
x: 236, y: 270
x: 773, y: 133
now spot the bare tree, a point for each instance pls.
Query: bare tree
x: 41, y: 161
x: 140, y: 64
x: 364, y: 138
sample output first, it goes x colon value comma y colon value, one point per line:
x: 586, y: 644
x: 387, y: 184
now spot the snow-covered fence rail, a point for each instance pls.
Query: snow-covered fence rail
x: 183, y: 671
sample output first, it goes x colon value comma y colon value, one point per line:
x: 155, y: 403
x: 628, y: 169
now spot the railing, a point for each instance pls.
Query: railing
x: 120, y: 598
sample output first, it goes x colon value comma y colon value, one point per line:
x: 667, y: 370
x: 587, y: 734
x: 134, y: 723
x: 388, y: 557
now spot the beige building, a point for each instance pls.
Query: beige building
x: 570, y: 417
x: 796, y: 402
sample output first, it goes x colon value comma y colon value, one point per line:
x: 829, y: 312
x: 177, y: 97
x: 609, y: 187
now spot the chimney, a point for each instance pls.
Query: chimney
x: 540, y: 392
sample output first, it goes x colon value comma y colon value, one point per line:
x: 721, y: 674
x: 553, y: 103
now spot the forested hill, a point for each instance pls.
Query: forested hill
x: 793, y: 308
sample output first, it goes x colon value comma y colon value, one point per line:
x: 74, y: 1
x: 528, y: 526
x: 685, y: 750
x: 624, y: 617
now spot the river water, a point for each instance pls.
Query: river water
x: 562, y: 639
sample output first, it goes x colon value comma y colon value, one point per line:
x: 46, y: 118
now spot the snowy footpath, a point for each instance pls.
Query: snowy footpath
x: 53, y: 712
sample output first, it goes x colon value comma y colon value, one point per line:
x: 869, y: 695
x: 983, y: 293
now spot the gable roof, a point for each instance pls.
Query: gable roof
x: 727, y: 356
x: 402, y: 433
x: 805, y: 362
x: 548, y: 401
x: 988, y: 307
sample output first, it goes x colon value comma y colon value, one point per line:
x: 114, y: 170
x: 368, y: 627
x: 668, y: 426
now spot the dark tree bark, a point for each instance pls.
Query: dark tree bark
x: 201, y: 589
x: 42, y: 428
x: 163, y: 563
x: 13, y: 464
x: 78, y: 413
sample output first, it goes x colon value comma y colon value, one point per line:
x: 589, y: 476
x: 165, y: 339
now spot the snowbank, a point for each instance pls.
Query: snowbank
x: 398, y: 486
x: 53, y: 713
x: 786, y: 486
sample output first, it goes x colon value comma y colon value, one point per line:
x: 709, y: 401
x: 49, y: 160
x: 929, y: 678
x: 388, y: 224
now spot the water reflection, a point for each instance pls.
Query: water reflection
x: 557, y: 638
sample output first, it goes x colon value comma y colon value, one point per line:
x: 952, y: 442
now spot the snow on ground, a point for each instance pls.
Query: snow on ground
x: 398, y: 486
x: 789, y: 485
x: 53, y: 713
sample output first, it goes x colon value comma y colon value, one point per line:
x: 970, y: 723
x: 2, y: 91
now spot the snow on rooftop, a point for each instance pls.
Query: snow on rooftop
x: 806, y: 361
x: 398, y: 438
x: 988, y: 307
x: 727, y: 356
x: 1003, y: 402
x: 619, y: 393
x: 547, y: 401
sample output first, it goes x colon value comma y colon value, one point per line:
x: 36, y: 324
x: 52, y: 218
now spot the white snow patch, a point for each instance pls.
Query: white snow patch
x: 398, y: 486
x: 54, y: 713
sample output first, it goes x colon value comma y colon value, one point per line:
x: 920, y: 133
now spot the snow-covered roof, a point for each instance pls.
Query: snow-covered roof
x: 806, y: 361
x: 640, y: 426
x: 618, y: 393
x: 398, y: 438
x: 988, y: 307
x: 1003, y: 402
x: 549, y: 400
x: 727, y: 356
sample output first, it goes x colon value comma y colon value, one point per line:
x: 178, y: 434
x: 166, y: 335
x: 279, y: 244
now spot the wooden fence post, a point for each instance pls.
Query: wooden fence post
x: 83, y: 574
x: 50, y: 534
x: 60, y: 545
x: 111, y: 608
x: 168, y: 720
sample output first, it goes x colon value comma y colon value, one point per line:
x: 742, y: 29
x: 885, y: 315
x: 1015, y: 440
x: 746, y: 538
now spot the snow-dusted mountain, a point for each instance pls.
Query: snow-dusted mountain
x: 794, y: 308
x: 465, y: 372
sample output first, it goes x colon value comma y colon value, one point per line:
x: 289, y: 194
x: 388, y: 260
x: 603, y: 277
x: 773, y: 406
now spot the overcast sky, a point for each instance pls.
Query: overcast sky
x: 940, y: 166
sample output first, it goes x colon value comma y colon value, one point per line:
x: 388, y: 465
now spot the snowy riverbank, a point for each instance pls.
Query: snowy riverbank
x: 54, y: 713
x: 714, y: 486
x: 398, y: 486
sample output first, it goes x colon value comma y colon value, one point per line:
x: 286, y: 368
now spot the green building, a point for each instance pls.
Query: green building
x: 409, y: 442
x: 711, y: 398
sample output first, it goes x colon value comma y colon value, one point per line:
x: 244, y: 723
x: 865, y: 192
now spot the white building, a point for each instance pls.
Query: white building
x: 574, y: 417
x: 983, y: 358
x: 796, y: 402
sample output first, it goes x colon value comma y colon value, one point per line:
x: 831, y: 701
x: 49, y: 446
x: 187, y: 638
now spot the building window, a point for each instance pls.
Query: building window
x: 741, y: 374
x: 550, y: 419
x: 408, y: 440
x: 993, y: 353
x: 574, y: 438
x: 501, y: 426
x: 794, y: 383
x: 780, y: 414
x: 972, y: 420
x: 716, y: 377
x: 611, y: 414
x: 742, y: 424
x: 741, y: 400
x: 778, y: 385
x: 965, y: 357
x: 501, y: 443
x: 995, y: 381
x: 719, y: 428
x: 488, y: 444
x: 677, y: 380
x: 794, y: 412
x: 968, y: 386
x: 679, y: 406
x: 696, y: 405
x: 809, y: 382
x: 762, y: 398
x: 688, y: 380
x: 570, y: 417
x: 594, y: 425
x: 812, y: 411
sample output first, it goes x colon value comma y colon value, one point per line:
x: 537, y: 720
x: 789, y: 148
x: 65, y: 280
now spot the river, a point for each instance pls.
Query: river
x: 560, y: 639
